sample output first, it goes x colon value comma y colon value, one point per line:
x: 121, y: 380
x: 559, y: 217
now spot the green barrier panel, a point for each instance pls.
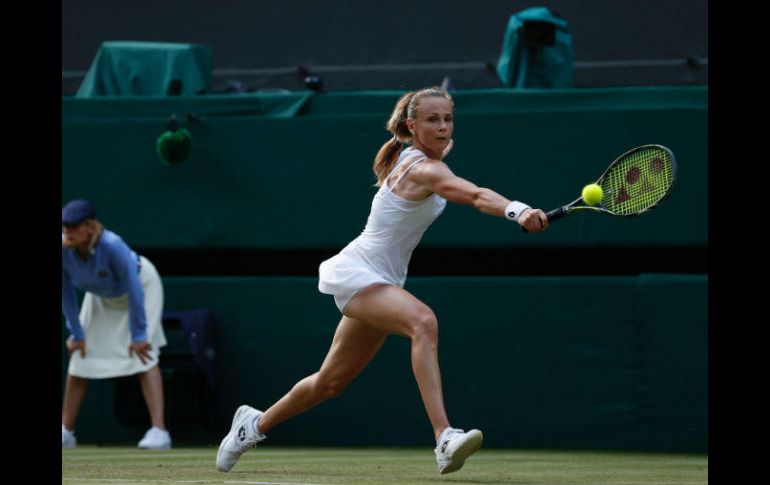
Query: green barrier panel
x: 263, y: 178
x: 284, y: 103
x: 156, y: 108
x: 572, y: 362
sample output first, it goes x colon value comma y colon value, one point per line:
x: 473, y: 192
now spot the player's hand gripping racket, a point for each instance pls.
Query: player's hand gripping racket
x: 636, y: 182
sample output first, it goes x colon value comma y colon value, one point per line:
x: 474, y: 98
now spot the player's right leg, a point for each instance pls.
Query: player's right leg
x: 353, y: 346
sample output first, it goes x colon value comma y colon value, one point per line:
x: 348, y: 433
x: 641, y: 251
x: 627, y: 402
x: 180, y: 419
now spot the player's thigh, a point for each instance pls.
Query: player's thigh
x: 391, y: 309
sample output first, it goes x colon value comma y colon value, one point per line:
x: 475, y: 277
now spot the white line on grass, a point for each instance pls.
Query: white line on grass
x: 182, y: 481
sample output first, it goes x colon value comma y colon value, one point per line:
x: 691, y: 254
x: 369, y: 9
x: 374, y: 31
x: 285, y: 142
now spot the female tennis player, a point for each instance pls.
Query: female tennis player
x: 367, y: 278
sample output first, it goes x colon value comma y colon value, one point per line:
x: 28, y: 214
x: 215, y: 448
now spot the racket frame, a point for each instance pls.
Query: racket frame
x: 576, y: 206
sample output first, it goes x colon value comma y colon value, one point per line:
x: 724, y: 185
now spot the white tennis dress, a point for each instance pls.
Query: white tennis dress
x: 382, y: 252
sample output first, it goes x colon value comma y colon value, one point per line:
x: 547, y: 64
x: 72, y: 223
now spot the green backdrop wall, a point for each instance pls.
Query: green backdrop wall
x: 573, y: 362
x: 294, y: 170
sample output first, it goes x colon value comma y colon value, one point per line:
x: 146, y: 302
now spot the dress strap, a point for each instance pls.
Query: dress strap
x: 419, y: 158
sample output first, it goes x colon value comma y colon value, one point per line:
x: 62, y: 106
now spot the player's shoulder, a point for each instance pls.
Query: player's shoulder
x: 432, y: 167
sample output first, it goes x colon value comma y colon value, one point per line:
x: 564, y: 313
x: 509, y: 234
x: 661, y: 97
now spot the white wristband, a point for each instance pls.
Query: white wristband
x: 514, y: 210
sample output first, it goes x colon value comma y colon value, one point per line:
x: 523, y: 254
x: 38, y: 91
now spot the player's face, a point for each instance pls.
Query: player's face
x: 433, y: 125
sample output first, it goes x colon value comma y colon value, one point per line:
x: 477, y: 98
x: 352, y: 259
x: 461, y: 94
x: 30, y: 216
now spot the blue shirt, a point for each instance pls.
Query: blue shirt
x: 111, y: 270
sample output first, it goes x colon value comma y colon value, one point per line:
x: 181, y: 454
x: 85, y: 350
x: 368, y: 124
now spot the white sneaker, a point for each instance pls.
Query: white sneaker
x: 68, y: 439
x: 155, y: 439
x: 454, y: 446
x: 241, y: 437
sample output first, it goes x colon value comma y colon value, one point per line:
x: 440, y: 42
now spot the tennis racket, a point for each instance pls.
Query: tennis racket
x: 636, y: 182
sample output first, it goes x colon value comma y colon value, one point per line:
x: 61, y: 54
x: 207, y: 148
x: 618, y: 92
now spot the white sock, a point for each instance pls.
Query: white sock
x: 256, y: 426
x: 64, y: 428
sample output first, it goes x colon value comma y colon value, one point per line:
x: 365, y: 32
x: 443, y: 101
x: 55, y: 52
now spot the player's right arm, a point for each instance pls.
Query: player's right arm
x: 436, y: 176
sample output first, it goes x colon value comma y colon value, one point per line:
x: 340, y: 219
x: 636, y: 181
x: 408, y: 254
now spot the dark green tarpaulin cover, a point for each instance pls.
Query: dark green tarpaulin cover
x: 525, y: 63
x: 129, y: 68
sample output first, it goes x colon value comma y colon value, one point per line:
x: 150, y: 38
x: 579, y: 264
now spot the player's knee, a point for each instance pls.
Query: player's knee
x: 426, y: 326
x: 329, y: 388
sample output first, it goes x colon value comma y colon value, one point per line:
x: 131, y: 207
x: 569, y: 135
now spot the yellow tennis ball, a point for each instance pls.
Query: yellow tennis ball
x: 592, y: 194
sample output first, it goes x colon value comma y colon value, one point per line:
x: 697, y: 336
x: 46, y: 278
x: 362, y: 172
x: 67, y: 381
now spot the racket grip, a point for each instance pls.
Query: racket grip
x: 556, y: 214
x: 553, y: 215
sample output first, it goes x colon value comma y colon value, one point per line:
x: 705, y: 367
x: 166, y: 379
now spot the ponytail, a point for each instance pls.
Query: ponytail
x: 386, y: 158
x: 391, y: 149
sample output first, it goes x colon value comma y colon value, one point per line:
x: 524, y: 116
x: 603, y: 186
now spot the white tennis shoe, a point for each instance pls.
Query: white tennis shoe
x: 155, y: 439
x: 454, y: 446
x: 68, y: 439
x: 241, y: 437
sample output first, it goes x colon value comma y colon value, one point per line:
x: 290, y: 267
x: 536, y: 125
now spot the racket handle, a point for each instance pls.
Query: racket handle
x: 554, y: 215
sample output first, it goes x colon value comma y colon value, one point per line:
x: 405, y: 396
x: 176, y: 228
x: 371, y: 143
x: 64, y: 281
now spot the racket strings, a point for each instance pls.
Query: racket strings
x: 638, y: 181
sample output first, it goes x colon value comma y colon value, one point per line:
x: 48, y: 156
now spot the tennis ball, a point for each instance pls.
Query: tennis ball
x: 592, y: 194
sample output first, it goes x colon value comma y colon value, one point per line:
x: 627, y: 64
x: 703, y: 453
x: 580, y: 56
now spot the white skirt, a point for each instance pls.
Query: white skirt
x: 106, y: 325
x: 346, y: 274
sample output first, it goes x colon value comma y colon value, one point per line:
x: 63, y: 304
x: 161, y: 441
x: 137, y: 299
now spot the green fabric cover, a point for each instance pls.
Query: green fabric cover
x: 542, y: 66
x: 148, y: 69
